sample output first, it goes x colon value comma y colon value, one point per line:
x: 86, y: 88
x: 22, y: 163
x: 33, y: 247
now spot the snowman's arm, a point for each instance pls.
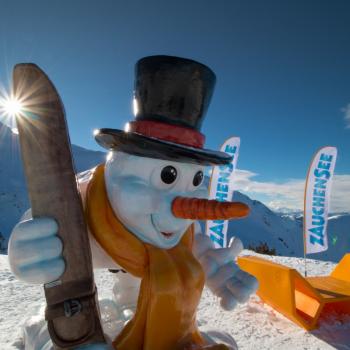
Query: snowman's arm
x: 223, y: 276
x: 35, y: 251
x: 24, y: 249
x: 100, y: 259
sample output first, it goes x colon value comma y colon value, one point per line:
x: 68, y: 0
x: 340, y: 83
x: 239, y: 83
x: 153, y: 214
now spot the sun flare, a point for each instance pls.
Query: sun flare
x: 11, y: 106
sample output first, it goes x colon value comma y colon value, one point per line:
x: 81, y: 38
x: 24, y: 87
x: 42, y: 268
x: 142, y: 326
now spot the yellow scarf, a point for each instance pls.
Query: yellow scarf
x: 171, y: 285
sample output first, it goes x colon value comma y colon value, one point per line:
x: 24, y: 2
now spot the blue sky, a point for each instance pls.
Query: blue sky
x: 283, y: 73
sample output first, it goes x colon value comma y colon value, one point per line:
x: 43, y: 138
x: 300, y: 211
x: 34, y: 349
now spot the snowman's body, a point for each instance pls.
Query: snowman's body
x: 142, y: 200
x: 155, y: 162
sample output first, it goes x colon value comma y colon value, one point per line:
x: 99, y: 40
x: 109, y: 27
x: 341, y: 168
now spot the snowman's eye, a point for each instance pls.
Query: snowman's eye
x: 198, y: 178
x: 168, y: 174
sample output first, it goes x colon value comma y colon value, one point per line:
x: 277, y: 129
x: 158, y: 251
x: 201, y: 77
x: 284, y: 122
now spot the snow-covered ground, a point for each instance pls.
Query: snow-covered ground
x: 253, y: 325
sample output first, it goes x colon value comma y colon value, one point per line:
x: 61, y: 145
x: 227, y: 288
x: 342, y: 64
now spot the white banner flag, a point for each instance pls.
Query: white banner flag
x: 221, y: 189
x: 316, y: 201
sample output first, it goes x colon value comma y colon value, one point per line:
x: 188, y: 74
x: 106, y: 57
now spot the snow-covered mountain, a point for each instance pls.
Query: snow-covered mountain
x: 13, y: 193
x: 281, y: 232
x: 284, y: 233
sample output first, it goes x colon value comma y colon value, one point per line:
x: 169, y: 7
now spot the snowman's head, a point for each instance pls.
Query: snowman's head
x: 141, y: 191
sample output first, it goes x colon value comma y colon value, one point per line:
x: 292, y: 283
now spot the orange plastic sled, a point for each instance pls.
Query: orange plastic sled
x: 300, y: 299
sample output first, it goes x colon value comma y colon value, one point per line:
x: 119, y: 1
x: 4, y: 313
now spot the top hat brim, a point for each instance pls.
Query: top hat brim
x: 144, y: 146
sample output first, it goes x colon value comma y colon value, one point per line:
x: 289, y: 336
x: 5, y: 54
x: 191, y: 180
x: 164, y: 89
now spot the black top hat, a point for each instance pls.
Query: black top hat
x: 171, y: 97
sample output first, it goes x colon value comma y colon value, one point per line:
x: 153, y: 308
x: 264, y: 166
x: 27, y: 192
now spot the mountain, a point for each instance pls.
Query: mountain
x: 282, y: 233
x: 13, y: 192
x: 279, y: 232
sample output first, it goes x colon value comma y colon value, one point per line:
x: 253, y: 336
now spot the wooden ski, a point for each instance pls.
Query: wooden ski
x: 72, y: 309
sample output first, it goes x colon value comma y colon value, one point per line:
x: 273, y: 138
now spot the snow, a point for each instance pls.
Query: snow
x: 253, y: 325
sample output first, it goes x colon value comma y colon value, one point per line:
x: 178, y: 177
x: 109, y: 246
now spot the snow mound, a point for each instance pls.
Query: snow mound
x: 253, y: 325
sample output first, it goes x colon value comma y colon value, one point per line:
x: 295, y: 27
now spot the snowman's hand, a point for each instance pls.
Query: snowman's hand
x: 224, y: 278
x: 35, y: 251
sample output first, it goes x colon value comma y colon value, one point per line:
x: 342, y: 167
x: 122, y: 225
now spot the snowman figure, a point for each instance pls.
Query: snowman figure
x: 141, y: 207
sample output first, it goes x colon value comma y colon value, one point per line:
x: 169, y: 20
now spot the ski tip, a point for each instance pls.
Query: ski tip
x: 28, y: 68
x: 30, y: 73
x: 33, y: 87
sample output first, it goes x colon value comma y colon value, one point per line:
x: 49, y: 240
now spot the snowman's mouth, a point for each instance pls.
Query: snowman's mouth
x: 166, y: 235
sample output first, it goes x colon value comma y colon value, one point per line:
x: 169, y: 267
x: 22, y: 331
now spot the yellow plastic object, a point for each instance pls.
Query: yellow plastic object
x: 300, y: 299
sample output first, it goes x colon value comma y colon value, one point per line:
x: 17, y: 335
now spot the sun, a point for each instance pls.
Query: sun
x: 11, y: 106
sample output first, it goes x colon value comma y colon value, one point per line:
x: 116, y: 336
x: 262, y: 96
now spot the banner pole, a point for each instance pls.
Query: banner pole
x: 304, y: 219
x: 304, y: 237
x: 304, y: 233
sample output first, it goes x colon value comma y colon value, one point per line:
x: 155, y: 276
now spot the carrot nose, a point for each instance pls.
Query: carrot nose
x: 204, y: 209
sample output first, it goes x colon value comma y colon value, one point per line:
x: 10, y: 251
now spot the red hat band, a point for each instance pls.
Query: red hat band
x: 167, y: 132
